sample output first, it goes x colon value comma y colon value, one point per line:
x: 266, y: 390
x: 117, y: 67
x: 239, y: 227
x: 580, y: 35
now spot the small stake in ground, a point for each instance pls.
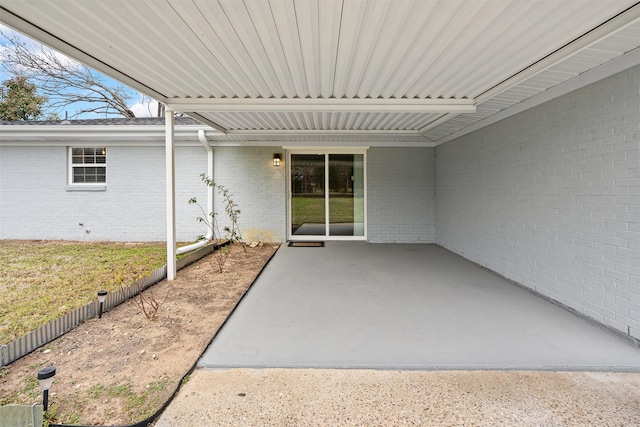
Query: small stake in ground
x: 102, y: 295
x: 45, y: 378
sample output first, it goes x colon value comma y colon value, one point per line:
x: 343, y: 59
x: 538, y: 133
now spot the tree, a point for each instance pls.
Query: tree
x: 19, y: 100
x: 63, y: 81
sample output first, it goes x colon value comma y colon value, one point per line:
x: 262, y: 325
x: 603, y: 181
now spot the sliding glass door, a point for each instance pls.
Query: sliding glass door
x: 327, y: 196
x: 308, y: 198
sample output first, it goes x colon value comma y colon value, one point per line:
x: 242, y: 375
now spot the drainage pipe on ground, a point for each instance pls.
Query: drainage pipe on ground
x: 184, y: 249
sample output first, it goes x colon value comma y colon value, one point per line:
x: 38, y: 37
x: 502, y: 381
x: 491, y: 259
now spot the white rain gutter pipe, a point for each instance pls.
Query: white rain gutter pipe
x: 184, y: 249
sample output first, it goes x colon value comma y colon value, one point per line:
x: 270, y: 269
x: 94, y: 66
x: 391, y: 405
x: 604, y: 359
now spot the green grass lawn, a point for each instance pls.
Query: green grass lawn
x: 312, y: 210
x: 42, y: 280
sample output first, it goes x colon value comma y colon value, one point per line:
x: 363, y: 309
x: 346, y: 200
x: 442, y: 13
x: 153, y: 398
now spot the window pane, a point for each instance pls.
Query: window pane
x: 89, y: 175
x: 307, y: 194
x: 346, y: 195
x: 78, y: 175
x: 101, y: 159
x: 89, y: 156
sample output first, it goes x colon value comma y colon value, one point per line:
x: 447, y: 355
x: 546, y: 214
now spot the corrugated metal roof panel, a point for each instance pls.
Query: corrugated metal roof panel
x: 334, y: 49
x: 321, y: 121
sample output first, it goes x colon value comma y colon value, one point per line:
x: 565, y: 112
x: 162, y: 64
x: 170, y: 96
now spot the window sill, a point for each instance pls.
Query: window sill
x: 89, y: 187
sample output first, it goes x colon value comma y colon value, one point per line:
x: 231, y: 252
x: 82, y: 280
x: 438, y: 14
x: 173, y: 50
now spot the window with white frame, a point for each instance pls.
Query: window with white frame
x: 88, y: 165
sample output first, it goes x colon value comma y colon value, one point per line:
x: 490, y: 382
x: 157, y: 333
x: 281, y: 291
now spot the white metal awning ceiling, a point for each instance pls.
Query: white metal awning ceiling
x: 336, y: 70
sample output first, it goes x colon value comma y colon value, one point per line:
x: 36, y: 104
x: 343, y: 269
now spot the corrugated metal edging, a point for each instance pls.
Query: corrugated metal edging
x: 54, y: 329
x: 21, y: 415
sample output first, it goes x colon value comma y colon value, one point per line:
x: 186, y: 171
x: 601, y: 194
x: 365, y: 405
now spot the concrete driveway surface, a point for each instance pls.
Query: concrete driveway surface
x: 340, y: 397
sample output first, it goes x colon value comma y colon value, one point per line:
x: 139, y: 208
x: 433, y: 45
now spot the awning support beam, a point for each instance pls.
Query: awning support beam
x: 275, y: 105
x: 171, y: 194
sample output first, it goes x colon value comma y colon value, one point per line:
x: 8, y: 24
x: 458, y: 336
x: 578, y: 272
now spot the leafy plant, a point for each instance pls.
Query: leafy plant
x: 185, y: 380
x: 231, y: 231
x: 19, y: 100
x: 31, y: 387
x: 50, y: 416
x: 73, y: 419
x: 96, y: 390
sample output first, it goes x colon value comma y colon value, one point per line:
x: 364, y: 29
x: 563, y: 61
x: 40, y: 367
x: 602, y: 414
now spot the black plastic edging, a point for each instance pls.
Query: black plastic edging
x: 152, y: 418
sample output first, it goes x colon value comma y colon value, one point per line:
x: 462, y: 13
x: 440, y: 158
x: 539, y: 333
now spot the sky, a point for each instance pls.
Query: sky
x: 139, y: 108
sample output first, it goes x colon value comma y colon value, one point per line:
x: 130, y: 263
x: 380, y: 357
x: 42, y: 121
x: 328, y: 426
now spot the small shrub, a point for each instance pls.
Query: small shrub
x: 148, y: 303
x: 232, y: 232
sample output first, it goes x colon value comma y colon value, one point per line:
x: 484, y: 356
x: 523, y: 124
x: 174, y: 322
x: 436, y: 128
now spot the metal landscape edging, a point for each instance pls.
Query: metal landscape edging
x: 148, y: 421
x: 48, y: 332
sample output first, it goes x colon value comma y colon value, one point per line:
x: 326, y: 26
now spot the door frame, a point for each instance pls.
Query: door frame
x: 324, y: 150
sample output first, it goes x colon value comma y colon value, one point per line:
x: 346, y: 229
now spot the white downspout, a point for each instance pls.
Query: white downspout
x: 184, y: 249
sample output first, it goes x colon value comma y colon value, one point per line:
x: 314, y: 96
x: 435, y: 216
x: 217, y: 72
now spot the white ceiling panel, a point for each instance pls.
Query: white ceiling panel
x: 321, y: 121
x: 493, y: 53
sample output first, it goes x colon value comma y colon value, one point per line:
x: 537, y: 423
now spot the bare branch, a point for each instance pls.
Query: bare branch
x: 64, y: 81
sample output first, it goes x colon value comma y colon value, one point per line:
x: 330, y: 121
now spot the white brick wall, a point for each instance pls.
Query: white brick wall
x: 258, y: 188
x: 401, y: 195
x: 551, y: 199
x: 35, y: 203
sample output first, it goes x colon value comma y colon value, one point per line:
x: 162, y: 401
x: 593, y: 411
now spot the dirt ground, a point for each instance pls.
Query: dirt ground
x: 123, y: 367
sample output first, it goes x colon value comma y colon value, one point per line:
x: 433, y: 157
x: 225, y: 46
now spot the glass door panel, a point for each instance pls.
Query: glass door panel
x: 308, y: 204
x: 327, y: 195
x: 346, y: 194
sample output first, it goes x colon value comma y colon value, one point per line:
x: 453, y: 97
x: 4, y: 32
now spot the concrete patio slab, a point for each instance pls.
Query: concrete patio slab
x: 359, y: 305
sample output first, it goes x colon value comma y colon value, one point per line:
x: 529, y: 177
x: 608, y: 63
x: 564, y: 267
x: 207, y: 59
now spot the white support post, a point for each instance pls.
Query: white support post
x: 171, y: 195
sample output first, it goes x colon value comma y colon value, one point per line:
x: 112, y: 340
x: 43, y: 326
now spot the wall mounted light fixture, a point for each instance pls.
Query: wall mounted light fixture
x: 277, y: 159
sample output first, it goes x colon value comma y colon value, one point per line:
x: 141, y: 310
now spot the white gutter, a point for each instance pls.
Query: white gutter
x: 203, y: 140
x: 102, y: 132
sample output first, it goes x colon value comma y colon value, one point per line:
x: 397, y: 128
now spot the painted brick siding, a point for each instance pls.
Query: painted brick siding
x: 258, y: 188
x: 550, y: 198
x: 35, y: 203
x: 401, y: 195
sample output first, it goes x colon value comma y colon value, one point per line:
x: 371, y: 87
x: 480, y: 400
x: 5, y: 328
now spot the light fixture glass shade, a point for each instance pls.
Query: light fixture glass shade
x: 102, y: 295
x: 45, y: 377
x: 277, y: 159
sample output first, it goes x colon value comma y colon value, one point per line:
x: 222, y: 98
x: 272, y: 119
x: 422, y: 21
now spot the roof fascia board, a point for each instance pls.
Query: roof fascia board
x: 608, y: 69
x: 316, y: 144
x: 8, y: 132
x: 226, y: 105
x: 159, y: 142
x: 111, y: 131
x: 25, y: 26
x: 92, y: 142
x: 324, y: 132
